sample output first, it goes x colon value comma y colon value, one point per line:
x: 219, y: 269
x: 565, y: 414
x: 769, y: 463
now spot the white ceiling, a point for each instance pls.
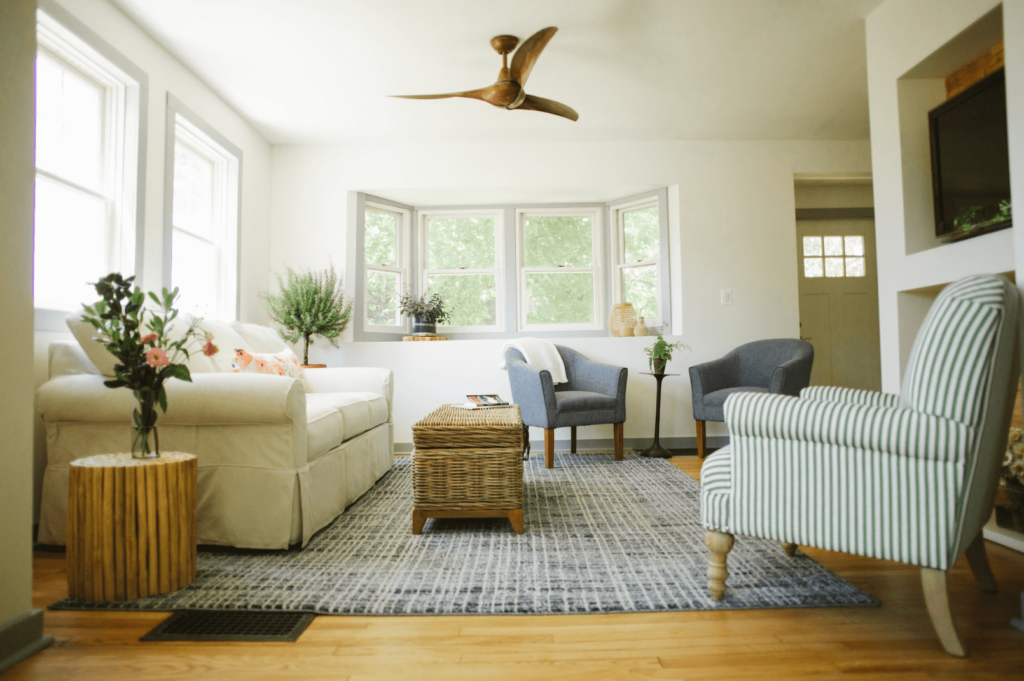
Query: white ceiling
x: 317, y: 71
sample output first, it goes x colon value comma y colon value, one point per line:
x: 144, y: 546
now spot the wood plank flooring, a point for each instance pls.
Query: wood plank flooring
x: 894, y: 641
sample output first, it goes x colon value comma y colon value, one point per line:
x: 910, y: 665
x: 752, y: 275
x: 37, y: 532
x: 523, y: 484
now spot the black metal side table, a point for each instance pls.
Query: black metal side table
x: 656, y: 450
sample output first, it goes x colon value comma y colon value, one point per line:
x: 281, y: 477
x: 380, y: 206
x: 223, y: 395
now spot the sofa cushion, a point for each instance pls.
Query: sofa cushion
x: 333, y: 418
x: 260, y: 338
x: 581, y: 400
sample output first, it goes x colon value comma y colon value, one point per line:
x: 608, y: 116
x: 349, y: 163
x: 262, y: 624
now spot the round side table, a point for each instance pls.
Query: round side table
x: 131, y: 526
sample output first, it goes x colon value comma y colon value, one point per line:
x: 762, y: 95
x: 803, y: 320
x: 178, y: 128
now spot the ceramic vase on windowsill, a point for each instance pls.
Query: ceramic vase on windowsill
x: 640, y: 329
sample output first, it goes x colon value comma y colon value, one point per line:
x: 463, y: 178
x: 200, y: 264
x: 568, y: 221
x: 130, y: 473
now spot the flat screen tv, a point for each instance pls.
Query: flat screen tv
x: 971, y: 161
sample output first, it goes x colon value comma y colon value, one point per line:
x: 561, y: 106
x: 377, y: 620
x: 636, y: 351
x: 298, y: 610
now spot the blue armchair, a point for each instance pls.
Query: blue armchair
x: 780, y: 366
x: 595, y: 394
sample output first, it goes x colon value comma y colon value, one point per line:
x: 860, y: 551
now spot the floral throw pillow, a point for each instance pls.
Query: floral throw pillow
x: 283, y: 363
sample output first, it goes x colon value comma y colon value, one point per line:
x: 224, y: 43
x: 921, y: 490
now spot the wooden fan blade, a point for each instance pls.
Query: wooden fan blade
x: 482, y: 93
x: 534, y: 103
x: 528, y: 53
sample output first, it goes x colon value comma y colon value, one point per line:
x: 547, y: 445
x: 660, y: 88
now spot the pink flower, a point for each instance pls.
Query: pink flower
x: 148, y: 339
x: 157, y: 357
x: 210, y: 349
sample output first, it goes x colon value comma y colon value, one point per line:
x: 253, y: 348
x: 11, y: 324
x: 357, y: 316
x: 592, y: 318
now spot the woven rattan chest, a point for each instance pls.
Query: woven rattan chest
x: 468, y: 464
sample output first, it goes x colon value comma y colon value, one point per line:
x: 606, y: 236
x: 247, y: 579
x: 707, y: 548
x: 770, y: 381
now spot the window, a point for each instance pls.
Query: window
x: 838, y: 256
x: 460, y: 258
x: 384, y: 259
x: 638, y: 257
x: 559, y: 274
x: 87, y: 156
x: 204, y: 218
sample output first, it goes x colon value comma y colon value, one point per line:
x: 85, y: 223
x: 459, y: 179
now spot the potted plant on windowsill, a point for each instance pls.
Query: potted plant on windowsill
x: 426, y: 312
x: 659, y: 354
x: 310, y: 305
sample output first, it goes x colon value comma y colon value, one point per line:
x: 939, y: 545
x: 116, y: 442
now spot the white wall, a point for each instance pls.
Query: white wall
x: 733, y: 226
x: 167, y: 74
x: 820, y: 195
x: 17, y: 132
x: 901, y: 34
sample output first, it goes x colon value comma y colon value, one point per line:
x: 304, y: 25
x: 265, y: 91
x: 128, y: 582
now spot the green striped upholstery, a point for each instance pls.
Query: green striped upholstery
x: 867, y: 473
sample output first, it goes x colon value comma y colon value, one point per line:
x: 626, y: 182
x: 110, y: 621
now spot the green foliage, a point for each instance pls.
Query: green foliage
x: 662, y: 350
x: 471, y: 298
x: 560, y: 297
x: 381, y: 297
x: 640, y: 235
x: 119, y: 320
x: 640, y: 287
x: 460, y: 243
x: 428, y: 308
x: 380, y: 238
x: 558, y: 241
x: 310, y: 304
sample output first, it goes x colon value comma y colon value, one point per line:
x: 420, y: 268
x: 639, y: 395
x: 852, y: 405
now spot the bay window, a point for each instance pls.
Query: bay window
x: 637, y: 253
x: 384, y: 259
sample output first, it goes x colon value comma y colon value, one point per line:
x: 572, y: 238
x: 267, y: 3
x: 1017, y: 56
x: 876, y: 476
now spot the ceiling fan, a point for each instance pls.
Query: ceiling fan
x: 509, y: 91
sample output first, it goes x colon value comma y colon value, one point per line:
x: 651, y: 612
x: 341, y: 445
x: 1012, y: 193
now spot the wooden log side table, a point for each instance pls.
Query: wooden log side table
x: 414, y: 339
x: 468, y: 464
x: 656, y: 450
x: 131, y: 526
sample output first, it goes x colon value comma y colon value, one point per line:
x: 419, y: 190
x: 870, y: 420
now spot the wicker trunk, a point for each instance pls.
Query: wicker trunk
x: 468, y: 464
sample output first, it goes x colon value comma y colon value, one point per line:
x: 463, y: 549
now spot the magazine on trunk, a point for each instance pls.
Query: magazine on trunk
x: 483, y: 402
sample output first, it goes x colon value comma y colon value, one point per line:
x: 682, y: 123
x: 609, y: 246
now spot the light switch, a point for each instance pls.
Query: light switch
x: 726, y: 296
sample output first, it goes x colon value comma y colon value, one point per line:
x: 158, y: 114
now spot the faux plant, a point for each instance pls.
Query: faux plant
x: 146, y: 356
x: 659, y: 354
x: 310, y: 305
x: 429, y: 309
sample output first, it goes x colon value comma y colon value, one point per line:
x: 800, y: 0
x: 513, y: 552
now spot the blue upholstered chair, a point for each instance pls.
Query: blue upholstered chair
x: 910, y: 478
x: 595, y: 394
x: 779, y: 366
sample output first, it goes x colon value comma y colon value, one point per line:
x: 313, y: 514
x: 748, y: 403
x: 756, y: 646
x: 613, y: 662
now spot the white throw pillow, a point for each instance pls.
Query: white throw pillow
x: 260, y: 338
x: 283, y: 363
x: 84, y: 333
x: 227, y: 340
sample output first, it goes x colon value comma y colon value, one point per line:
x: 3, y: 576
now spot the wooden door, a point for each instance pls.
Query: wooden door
x: 839, y: 301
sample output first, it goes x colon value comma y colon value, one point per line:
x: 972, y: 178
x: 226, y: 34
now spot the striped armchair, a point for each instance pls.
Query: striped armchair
x: 909, y: 478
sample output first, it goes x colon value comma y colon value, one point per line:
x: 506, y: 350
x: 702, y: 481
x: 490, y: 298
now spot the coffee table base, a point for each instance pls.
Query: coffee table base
x: 656, y: 451
x: 515, y: 516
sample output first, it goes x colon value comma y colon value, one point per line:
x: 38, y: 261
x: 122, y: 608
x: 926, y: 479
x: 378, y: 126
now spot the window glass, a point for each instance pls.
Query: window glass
x: 640, y: 287
x: 559, y: 297
x: 833, y: 267
x: 193, y: 191
x: 640, y: 234
x: 194, y: 272
x: 814, y: 267
x: 69, y: 124
x: 812, y: 245
x: 558, y: 241
x: 382, y: 291
x: 833, y: 245
x: 471, y: 298
x: 380, y: 246
x: 460, y: 243
x: 833, y: 264
x: 854, y: 245
x: 855, y: 267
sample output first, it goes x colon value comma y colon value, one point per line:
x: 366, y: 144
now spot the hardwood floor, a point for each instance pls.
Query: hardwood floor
x: 894, y: 641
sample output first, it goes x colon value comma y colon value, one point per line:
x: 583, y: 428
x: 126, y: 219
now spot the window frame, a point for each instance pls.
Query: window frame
x: 617, y: 213
x: 597, y: 245
x: 423, y: 273
x: 402, y: 259
x: 124, y: 94
x: 227, y: 197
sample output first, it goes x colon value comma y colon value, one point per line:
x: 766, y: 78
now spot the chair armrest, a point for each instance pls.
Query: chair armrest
x: 351, y: 379
x: 209, y: 399
x: 789, y: 377
x: 596, y: 377
x: 900, y: 432
x: 828, y: 393
x: 534, y: 392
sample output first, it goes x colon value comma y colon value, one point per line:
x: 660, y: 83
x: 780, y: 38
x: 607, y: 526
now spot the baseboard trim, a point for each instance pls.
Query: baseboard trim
x: 607, y: 444
x: 21, y: 637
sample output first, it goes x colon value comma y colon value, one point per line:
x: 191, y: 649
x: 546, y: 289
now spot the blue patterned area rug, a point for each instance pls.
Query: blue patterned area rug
x: 601, y: 536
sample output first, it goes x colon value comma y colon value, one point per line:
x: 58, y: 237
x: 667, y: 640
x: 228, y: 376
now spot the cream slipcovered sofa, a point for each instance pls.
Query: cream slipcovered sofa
x: 279, y: 458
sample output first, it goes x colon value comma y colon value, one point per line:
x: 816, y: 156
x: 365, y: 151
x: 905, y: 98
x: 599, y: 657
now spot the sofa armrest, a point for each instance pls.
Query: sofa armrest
x: 351, y: 379
x: 208, y: 399
x: 899, y: 432
x: 830, y: 393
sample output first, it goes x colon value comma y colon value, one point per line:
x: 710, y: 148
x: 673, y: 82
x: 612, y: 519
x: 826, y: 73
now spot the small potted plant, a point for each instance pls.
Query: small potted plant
x: 146, y: 355
x: 1012, y: 473
x: 310, y: 305
x: 426, y: 312
x: 659, y: 354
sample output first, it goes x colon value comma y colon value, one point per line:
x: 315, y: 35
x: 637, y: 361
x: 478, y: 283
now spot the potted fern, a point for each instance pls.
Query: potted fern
x: 660, y: 354
x: 310, y: 305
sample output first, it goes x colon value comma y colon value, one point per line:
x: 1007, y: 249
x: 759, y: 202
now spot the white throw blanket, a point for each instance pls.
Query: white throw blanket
x: 539, y: 353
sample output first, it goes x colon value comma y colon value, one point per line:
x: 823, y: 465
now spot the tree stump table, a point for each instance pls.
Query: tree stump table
x: 131, y: 526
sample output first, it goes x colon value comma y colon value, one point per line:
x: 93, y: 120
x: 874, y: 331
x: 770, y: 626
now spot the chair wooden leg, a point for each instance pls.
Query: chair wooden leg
x: 701, y: 440
x: 719, y: 544
x: 789, y: 549
x: 549, y: 447
x: 619, y: 440
x: 978, y: 559
x: 572, y: 439
x: 936, y: 596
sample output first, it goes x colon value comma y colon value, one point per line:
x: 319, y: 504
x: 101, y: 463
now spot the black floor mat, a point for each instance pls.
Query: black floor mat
x: 233, y: 625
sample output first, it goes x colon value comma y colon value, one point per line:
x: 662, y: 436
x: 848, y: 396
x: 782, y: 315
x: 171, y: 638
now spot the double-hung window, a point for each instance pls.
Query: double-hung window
x: 87, y: 152
x: 637, y: 277
x: 384, y: 261
x: 204, y: 218
x: 461, y: 258
x: 559, y: 256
